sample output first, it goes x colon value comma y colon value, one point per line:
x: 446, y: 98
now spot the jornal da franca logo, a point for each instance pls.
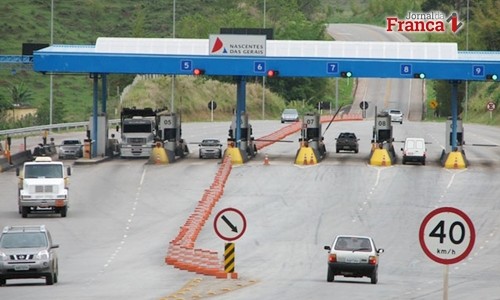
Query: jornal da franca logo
x: 434, y: 21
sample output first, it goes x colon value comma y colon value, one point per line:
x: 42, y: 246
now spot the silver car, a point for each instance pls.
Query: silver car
x: 353, y: 256
x: 396, y: 115
x: 289, y: 115
x: 70, y: 148
x: 27, y: 252
x: 210, y: 148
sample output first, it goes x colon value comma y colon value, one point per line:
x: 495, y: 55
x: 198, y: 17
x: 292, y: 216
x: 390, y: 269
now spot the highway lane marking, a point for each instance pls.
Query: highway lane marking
x: 126, y: 229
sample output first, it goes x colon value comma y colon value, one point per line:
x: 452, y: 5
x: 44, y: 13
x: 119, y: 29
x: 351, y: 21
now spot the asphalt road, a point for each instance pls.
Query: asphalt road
x: 406, y: 95
x: 123, y: 214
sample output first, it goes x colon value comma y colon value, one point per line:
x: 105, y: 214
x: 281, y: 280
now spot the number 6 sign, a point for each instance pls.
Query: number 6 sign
x: 447, y: 235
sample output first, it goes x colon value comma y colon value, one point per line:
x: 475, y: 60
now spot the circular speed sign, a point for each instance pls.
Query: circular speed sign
x: 447, y: 235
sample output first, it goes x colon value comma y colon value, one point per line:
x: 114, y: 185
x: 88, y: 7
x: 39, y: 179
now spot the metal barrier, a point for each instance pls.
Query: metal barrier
x: 35, y: 129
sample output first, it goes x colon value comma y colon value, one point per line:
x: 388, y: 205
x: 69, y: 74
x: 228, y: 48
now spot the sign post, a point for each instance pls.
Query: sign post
x: 490, y: 106
x: 229, y: 225
x: 447, y: 236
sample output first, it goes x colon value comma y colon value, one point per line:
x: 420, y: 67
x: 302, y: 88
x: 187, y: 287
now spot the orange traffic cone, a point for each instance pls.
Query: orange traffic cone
x: 305, y: 159
x: 266, y: 160
x: 311, y: 161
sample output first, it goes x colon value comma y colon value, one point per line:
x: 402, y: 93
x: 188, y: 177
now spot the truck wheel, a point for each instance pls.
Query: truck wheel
x: 64, y: 211
x: 25, y: 210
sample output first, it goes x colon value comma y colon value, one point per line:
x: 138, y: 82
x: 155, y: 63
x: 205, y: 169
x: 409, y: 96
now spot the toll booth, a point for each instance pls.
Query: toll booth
x: 169, y: 131
x: 312, y: 146
x: 101, y: 136
x: 383, y: 134
x: 245, y: 142
x: 460, y: 135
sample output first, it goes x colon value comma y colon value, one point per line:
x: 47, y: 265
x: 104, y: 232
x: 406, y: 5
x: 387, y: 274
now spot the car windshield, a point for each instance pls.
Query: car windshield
x: 347, y: 135
x: 71, y: 142
x: 23, y: 240
x: 353, y: 244
x: 290, y: 111
x: 210, y: 143
x: 395, y: 112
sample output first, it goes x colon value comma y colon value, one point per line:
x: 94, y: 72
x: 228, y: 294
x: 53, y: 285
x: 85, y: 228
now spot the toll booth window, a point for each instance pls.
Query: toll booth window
x: 244, y: 133
x: 129, y: 128
x: 169, y: 133
x: 459, y: 138
x: 312, y: 133
x: 384, y: 135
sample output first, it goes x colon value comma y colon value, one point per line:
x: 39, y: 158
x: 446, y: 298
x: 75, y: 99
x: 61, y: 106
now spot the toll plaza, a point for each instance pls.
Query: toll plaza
x: 285, y: 58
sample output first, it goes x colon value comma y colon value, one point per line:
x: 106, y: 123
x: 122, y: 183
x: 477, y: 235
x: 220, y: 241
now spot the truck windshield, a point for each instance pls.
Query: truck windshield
x: 129, y: 128
x: 43, y: 171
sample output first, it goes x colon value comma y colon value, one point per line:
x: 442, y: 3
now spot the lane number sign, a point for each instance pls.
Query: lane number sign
x: 447, y: 235
x: 230, y: 224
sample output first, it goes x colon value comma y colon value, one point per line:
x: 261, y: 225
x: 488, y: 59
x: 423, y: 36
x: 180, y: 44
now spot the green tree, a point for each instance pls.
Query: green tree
x: 20, y: 94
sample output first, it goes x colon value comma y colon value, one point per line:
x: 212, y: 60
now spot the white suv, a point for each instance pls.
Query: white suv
x: 27, y: 252
x: 353, y: 256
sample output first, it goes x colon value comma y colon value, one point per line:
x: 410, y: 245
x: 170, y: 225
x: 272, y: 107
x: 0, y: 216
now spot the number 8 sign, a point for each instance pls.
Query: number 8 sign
x: 447, y: 235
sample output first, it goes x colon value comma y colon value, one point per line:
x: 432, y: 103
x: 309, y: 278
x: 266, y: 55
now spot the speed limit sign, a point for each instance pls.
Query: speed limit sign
x: 447, y: 235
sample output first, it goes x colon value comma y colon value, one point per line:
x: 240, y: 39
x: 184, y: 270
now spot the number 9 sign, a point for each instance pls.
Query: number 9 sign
x: 447, y: 235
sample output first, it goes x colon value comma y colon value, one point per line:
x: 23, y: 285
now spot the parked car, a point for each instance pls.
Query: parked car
x: 396, y: 115
x: 414, y: 150
x: 210, y: 148
x: 347, y: 141
x: 289, y: 115
x: 28, y: 252
x: 70, y: 148
x: 353, y: 256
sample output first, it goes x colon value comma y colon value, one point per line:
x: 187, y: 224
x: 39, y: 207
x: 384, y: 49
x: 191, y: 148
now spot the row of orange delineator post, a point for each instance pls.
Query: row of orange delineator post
x: 181, y: 252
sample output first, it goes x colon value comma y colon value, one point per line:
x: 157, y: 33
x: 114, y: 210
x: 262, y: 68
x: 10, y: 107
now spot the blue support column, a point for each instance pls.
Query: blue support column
x: 104, y: 92
x: 94, y: 113
x: 454, y: 114
x: 240, y: 106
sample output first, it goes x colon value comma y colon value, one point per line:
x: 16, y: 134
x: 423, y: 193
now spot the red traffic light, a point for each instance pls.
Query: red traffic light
x: 272, y: 73
x: 197, y: 72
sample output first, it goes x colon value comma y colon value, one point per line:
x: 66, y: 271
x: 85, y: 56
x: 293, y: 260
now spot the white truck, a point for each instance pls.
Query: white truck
x: 43, y: 187
x: 137, y: 132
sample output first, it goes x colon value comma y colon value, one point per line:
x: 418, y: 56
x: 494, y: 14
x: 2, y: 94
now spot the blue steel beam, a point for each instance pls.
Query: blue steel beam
x: 65, y: 62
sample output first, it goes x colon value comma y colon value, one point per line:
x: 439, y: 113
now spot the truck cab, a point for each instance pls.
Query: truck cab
x: 43, y: 187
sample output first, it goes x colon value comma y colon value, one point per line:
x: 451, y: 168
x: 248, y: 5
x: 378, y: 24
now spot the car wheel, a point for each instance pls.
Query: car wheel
x: 423, y: 162
x: 64, y: 211
x: 56, y: 274
x: 24, y: 211
x: 401, y: 122
x: 374, y: 277
x: 404, y: 161
x: 3, y: 281
x: 49, y: 279
x: 337, y: 150
x: 330, y: 277
x: 356, y: 151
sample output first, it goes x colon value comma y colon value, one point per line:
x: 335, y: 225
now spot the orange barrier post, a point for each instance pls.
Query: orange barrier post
x: 266, y: 160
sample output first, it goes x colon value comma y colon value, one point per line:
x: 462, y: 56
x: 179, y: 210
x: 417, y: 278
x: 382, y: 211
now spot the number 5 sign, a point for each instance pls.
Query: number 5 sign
x: 447, y: 235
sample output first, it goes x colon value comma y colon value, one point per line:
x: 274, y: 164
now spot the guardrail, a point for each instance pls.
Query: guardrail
x: 58, y: 127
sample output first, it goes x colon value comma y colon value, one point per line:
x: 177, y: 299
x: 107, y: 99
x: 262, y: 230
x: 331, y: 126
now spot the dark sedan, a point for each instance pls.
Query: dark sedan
x: 347, y: 141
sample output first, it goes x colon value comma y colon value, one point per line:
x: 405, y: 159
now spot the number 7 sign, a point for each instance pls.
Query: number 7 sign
x: 447, y: 235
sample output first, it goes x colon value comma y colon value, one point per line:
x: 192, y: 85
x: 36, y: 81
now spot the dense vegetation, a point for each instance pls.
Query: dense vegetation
x: 81, y: 22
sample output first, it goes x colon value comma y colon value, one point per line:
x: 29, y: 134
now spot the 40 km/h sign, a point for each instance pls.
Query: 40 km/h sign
x: 447, y: 235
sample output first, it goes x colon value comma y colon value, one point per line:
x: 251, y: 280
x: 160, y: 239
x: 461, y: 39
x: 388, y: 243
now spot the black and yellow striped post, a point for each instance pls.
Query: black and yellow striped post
x: 229, y: 255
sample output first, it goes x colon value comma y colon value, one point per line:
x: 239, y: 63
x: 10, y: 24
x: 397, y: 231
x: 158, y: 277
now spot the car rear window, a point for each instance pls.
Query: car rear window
x: 72, y: 142
x: 353, y: 244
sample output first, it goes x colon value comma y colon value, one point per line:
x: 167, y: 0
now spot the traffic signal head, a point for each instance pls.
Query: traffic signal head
x: 346, y: 74
x: 272, y: 73
x: 419, y: 75
x: 493, y: 77
x: 197, y: 72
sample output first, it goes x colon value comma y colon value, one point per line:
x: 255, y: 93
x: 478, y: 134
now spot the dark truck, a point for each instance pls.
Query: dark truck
x: 347, y: 141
